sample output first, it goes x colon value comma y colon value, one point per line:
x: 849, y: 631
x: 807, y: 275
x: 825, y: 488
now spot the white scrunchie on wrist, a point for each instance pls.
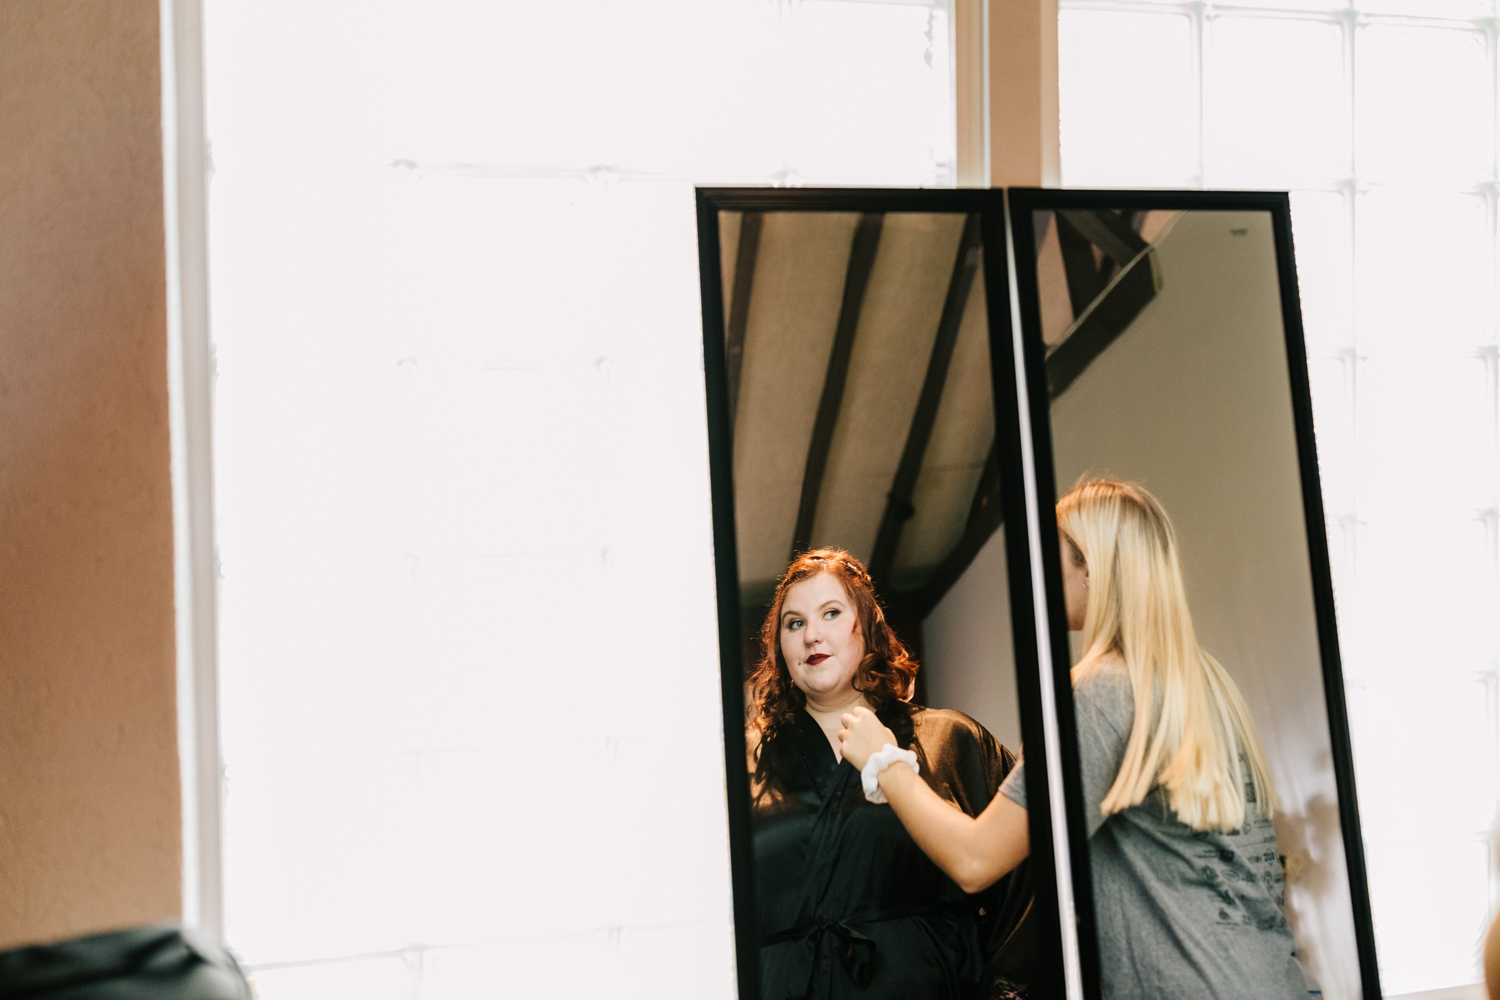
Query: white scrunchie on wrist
x: 869, y: 777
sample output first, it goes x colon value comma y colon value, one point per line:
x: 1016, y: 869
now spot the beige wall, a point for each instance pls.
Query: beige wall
x: 969, y: 650
x: 89, y: 792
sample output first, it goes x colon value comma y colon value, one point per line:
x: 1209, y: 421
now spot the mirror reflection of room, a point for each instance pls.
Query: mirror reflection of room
x: 872, y: 576
x: 1213, y: 814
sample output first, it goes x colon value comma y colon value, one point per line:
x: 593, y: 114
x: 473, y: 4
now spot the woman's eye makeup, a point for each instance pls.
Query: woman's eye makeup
x: 831, y: 613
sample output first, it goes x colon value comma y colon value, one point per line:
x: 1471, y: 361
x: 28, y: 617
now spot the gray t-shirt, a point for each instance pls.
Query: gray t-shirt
x: 1181, y: 912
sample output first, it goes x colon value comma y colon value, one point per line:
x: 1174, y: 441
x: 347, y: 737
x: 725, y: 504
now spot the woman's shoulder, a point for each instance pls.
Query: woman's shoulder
x: 948, y: 725
x: 1104, y: 681
x: 1104, y: 672
x: 945, y: 720
x: 963, y: 760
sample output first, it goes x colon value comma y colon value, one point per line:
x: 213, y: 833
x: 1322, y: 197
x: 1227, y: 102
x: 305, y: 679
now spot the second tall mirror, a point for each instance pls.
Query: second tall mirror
x: 1212, y: 805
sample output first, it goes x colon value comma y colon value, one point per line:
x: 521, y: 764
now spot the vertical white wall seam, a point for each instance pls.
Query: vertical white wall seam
x: 190, y: 392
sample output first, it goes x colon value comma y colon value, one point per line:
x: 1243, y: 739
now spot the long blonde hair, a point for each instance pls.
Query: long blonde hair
x: 1137, y: 609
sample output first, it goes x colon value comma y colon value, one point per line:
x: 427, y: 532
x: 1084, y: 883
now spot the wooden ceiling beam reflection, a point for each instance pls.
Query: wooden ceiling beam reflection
x: 1107, y: 296
x: 986, y: 514
x: 739, y: 304
x: 1103, y: 321
x: 857, y: 279
x: 1104, y: 318
x: 1085, y: 278
x: 1109, y: 231
x: 898, y: 508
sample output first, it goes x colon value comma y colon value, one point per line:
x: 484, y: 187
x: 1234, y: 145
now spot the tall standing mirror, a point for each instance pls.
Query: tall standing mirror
x: 1210, y: 790
x: 866, y: 499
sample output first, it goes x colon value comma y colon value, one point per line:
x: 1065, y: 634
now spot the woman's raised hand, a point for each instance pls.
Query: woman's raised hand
x: 863, y: 734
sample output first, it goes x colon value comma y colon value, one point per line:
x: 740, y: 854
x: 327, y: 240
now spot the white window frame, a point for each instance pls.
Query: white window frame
x: 185, y: 170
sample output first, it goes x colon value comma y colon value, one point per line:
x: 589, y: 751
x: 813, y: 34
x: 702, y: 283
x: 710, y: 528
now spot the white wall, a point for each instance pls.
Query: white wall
x: 968, y: 646
x: 1193, y: 401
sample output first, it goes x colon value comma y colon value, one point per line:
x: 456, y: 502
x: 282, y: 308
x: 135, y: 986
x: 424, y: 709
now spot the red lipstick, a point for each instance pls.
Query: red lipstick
x: 816, y: 658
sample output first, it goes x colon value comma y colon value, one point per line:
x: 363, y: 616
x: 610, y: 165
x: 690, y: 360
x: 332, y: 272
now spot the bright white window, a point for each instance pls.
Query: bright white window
x: 1380, y: 117
x: 469, y: 668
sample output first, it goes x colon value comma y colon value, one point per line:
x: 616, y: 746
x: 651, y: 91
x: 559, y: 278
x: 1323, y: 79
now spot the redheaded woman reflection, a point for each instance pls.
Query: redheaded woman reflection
x: 849, y: 905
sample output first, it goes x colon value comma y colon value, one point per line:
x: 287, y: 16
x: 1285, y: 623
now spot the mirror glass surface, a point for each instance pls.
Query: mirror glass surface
x: 1167, y: 364
x: 859, y: 389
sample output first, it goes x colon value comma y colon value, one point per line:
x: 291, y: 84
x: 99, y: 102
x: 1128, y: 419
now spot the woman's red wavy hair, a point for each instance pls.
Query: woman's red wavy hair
x: 887, y: 673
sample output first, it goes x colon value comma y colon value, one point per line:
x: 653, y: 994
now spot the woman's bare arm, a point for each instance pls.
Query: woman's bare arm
x: 974, y: 852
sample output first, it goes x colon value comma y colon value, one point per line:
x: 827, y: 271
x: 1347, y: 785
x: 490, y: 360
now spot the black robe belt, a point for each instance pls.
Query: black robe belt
x: 856, y: 951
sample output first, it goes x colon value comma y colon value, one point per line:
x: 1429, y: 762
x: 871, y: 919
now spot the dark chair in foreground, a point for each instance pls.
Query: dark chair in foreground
x: 144, y: 963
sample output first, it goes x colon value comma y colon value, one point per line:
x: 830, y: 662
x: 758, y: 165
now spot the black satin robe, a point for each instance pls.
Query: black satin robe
x: 849, y: 905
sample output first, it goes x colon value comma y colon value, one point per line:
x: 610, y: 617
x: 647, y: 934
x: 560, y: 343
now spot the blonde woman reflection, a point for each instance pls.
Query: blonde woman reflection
x: 1187, y: 886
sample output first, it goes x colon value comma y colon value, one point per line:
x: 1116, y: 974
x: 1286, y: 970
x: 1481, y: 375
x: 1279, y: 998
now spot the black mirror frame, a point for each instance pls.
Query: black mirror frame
x: 1023, y: 203
x: 989, y: 206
